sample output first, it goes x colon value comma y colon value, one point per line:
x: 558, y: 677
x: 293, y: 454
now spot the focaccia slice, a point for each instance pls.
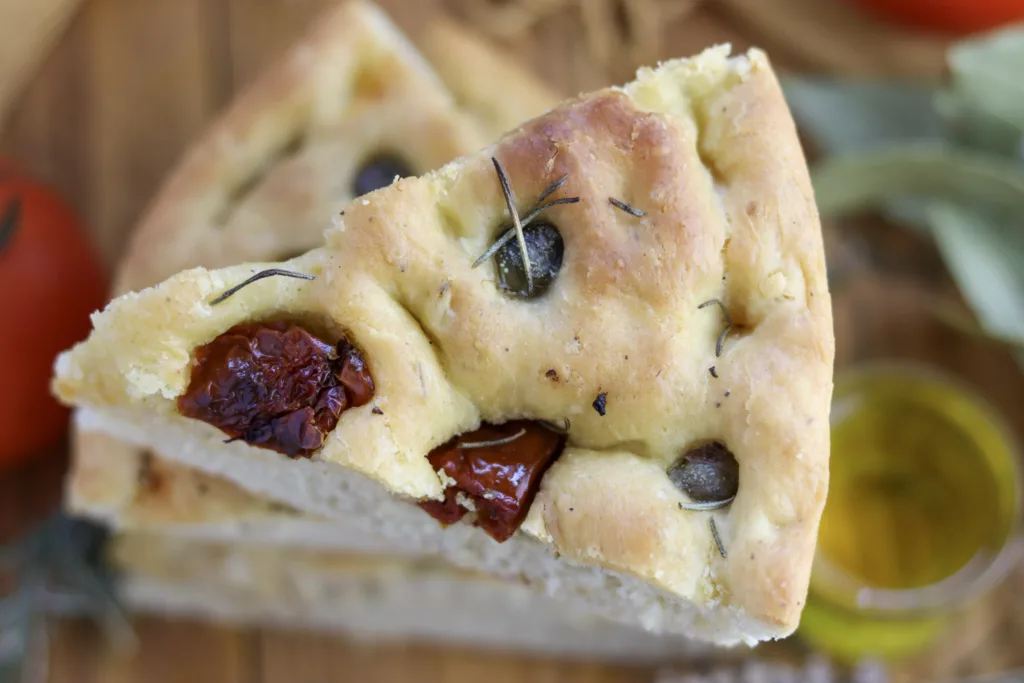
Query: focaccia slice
x: 187, y: 543
x: 677, y: 315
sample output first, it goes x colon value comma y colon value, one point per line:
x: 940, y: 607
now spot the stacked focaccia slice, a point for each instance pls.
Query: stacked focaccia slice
x: 197, y: 545
x: 623, y: 403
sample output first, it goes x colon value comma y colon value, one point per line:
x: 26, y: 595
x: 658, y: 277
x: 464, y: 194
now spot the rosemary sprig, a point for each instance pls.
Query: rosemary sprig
x: 706, y: 507
x: 108, y: 610
x: 619, y: 204
x: 535, y: 211
x: 60, y: 569
x: 718, y: 539
x: 525, y: 220
x: 510, y: 202
x: 270, y: 272
x: 495, y: 442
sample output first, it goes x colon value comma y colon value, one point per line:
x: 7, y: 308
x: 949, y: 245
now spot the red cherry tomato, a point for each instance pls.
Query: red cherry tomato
x: 957, y: 17
x: 50, y: 281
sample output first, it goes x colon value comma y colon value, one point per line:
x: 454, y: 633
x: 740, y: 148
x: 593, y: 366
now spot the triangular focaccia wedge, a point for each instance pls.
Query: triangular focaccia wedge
x: 665, y: 393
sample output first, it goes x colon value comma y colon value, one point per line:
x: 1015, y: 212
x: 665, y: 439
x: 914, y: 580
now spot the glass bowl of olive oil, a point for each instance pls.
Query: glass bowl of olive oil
x: 923, y: 511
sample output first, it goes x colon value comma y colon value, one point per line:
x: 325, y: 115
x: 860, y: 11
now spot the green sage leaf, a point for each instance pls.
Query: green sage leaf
x: 853, y: 117
x: 985, y: 256
x: 987, y: 72
x: 965, y: 323
x: 873, y: 179
x: 972, y: 126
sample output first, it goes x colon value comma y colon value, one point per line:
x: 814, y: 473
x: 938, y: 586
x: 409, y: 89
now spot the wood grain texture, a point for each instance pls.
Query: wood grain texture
x: 152, y: 93
x: 37, y: 26
x: 132, y: 82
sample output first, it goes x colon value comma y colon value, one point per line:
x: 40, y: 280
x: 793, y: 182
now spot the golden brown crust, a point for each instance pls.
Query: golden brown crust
x: 772, y: 258
x: 707, y: 149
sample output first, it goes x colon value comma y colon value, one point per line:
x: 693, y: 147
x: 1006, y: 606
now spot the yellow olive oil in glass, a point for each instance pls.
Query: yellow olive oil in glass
x: 923, y: 501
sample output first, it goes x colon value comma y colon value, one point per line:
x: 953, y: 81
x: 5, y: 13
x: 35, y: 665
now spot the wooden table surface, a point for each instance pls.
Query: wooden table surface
x: 134, y: 81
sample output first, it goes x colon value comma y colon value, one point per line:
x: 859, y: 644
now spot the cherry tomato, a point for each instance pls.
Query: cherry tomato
x: 50, y: 281
x: 957, y: 17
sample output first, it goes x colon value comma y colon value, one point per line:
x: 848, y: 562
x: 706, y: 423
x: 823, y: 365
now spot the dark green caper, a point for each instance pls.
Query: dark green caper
x: 545, y: 249
x: 707, y: 473
x: 379, y: 171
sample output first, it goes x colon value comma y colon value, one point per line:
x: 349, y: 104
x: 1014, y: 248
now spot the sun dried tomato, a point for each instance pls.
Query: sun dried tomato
x: 276, y: 386
x: 354, y: 375
x: 447, y: 511
x: 501, y: 479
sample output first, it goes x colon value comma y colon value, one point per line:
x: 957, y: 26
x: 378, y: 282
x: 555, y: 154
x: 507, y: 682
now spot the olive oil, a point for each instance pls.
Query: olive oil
x: 923, y: 497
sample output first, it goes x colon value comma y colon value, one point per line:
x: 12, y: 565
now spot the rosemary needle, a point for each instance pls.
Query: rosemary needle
x: 271, y: 272
x: 718, y: 539
x: 552, y: 188
x: 619, y: 204
x: 510, y: 202
x: 718, y: 302
x: 496, y: 442
x: 720, y: 342
x: 538, y: 208
x: 706, y: 507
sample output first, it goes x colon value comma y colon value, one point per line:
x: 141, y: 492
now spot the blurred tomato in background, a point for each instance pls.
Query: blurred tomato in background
x: 950, y: 16
x: 51, y: 280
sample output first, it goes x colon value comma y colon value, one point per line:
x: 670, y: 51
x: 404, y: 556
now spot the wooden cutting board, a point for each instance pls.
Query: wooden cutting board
x: 132, y: 82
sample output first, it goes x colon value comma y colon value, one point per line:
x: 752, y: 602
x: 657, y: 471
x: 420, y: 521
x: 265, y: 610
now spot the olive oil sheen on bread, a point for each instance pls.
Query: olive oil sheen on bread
x: 923, y: 497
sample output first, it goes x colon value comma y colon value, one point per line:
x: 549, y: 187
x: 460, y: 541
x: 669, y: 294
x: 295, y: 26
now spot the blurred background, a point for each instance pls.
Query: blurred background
x: 912, y: 114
